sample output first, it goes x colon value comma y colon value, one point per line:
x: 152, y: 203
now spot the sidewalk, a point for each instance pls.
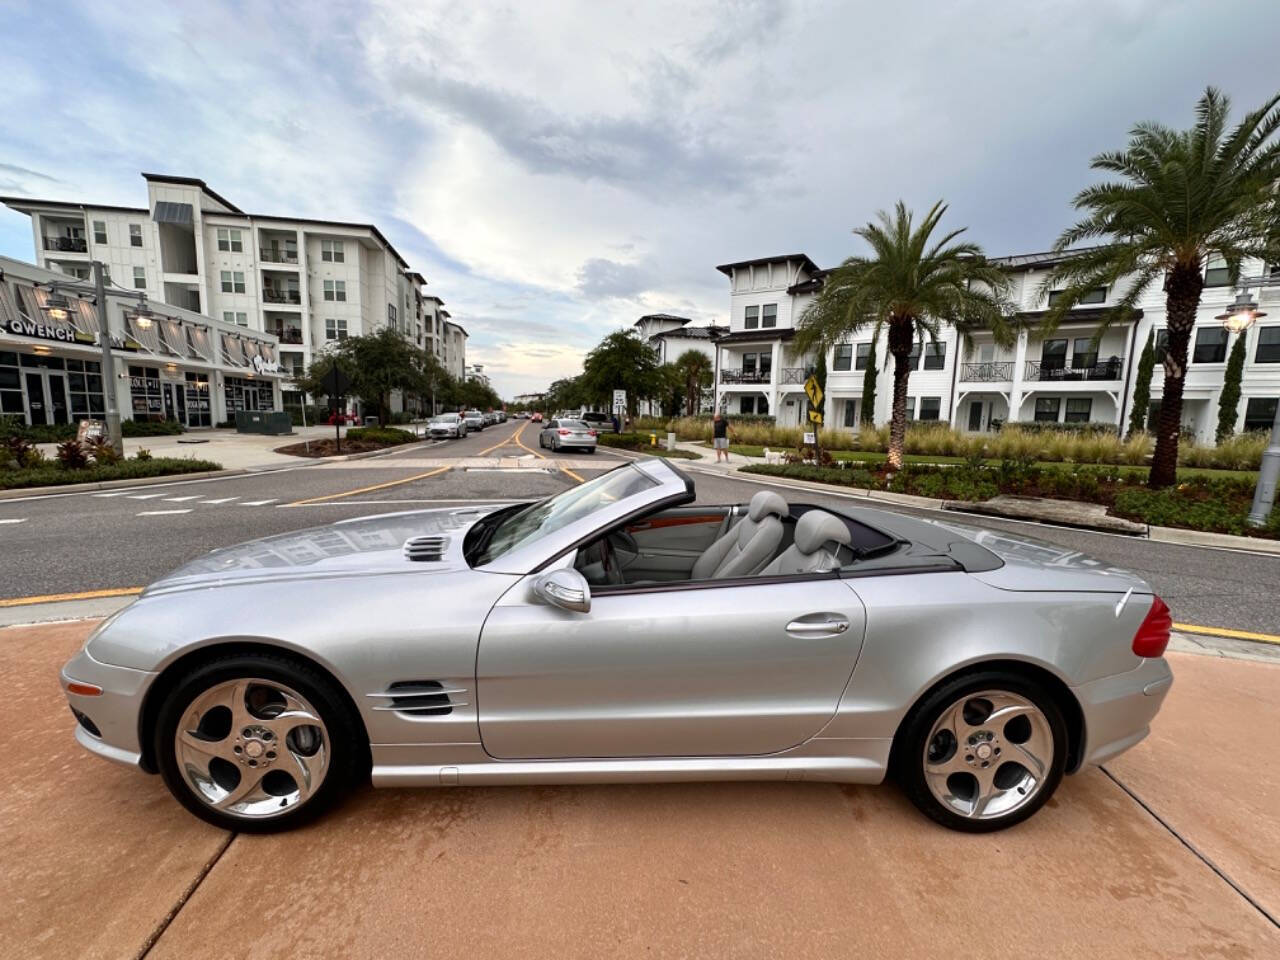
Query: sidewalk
x: 235, y: 451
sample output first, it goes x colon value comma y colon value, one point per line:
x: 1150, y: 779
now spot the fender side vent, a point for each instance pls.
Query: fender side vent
x: 421, y: 698
x: 428, y: 547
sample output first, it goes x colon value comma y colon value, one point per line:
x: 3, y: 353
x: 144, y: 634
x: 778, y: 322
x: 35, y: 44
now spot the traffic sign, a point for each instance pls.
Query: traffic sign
x: 813, y: 391
x: 619, y: 401
x: 335, y: 382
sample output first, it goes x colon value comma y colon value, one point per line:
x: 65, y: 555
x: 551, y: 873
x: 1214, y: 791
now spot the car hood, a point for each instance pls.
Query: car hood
x: 365, y: 546
x: 1031, y: 564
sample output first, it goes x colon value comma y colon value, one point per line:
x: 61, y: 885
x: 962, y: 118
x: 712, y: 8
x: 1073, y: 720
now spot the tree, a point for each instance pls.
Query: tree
x: 375, y: 363
x: 1142, y: 387
x: 869, y: 388
x: 1229, y: 399
x: 563, y: 394
x: 621, y: 361
x: 910, y: 284
x: 695, y: 373
x: 1184, y: 198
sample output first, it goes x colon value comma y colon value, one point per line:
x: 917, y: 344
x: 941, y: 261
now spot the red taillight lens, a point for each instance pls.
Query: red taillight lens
x: 563, y: 432
x: 591, y: 433
x: 1153, y: 636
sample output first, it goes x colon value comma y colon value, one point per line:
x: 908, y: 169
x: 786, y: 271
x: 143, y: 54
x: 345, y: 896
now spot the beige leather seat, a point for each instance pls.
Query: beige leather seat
x: 748, y: 545
x: 819, y: 537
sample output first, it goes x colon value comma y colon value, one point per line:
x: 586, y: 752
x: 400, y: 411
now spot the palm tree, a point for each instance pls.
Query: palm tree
x: 1183, y: 197
x: 695, y: 370
x: 911, y: 283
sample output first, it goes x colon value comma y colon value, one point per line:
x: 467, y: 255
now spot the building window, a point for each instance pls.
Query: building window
x: 1161, y: 347
x: 930, y: 408
x: 335, y: 329
x: 1268, y: 349
x: 1211, y: 345
x: 913, y: 359
x: 239, y: 318
x: 1053, y: 355
x: 1083, y: 355
x: 748, y: 363
x: 844, y: 356
x: 331, y: 251
x: 335, y: 290
x: 911, y: 408
x: 751, y: 318
x: 140, y: 278
x: 850, y: 413
x: 135, y: 234
x: 1047, y: 409
x: 862, y: 357
x: 935, y: 358
x: 391, y: 314
x: 1079, y: 409
x: 144, y: 390
x: 85, y: 385
x: 770, y: 315
x: 1096, y: 295
x: 1216, y: 272
x: 230, y: 241
x: 99, y: 231
x: 232, y: 281
x: 747, y: 405
x: 1259, y: 413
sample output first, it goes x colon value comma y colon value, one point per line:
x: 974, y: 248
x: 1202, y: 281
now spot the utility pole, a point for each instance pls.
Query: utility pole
x: 114, y: 435
x: 1239, y: 317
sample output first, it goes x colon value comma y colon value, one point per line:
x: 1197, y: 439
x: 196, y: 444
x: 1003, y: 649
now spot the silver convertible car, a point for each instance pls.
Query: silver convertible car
x: 618, y: 631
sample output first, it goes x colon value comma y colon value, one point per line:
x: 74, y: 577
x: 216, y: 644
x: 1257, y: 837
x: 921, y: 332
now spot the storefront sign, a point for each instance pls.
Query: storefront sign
x: 41, y: 331
x: 91, y: 431
x: 265, y: 366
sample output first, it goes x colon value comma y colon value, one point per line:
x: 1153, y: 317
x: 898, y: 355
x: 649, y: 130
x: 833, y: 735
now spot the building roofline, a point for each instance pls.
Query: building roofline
x: 661, y: 316
x: 728, y: 268
x: 335, y: 223
x: 191, y: 182
x: 18, y: 203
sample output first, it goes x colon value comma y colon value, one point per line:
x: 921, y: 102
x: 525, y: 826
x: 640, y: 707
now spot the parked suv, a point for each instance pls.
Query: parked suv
x: 475, y: 420
x: 598, y: 421
x: 447, y: 425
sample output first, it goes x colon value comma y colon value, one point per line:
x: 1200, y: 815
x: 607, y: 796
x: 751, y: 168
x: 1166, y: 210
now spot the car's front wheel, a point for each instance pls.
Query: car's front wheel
x: 258, y: 743
x: 982, y: 752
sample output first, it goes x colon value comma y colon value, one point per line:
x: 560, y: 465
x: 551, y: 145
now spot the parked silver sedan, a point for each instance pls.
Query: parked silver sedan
x: 446, y: 426
x: 564, y: 433
x: 618, y: 631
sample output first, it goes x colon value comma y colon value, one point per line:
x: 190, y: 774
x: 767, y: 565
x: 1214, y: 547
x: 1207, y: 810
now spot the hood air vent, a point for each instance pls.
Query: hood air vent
x: 421, y: 698
x: 429, y: 547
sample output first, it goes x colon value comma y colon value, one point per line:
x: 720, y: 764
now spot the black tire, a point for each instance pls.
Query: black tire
x: 909, y: 747
x: 349, y: 762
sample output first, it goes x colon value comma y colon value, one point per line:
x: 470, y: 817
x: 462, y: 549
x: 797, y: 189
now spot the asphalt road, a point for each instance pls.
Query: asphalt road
x: 81, y: 542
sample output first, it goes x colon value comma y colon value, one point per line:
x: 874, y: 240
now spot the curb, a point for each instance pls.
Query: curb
x: 163, y: 478
x: 1201, y: 538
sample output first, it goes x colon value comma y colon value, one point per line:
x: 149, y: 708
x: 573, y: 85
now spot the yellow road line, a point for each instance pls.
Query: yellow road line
x: 1224, y: 632
x: 515, y: 436
x: 562, y: 467
x: 376, y: 486
x: 83, y: 595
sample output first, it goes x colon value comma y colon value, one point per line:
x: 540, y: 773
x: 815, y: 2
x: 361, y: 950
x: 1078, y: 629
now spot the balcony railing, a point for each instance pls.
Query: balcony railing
x: 1052, y: 370
x: 67, y: 244
x: 987, y: 371
x: 738, y: 375
x: 286, y: 334
x: 278, y: 256
x: 794, y: 374
x: 282, y: 296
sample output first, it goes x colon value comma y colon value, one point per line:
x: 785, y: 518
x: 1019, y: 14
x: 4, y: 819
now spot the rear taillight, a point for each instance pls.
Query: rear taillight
x: 564, y: 432
x: 1153, y: 636
x: 591, y: 433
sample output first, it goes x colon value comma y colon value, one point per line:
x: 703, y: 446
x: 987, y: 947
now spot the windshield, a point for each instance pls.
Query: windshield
x: 446, y: 418
x: 573, y: 424
x: 511, y: 530
x: 474, y: 413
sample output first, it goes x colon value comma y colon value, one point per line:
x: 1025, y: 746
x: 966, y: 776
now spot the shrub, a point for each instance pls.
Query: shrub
x: 50, y: 475
x: 143, y: 454
x: 150, y: 428
x: 384, y: 435
x: 32, y: 457
x: 71, y: 455
x: 104, y: 453
x: 1242, y: 451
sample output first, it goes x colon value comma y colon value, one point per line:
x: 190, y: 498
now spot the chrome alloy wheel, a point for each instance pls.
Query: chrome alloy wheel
x: 252, y: 748
x: 988, y: 754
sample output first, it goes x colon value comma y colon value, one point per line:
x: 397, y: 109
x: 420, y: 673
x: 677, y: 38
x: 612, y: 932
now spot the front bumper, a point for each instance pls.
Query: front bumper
x: 113, y: 713
x: 1118, y: 710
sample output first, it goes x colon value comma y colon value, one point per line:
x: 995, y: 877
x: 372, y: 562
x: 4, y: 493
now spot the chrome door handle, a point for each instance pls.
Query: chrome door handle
x: 810, y: 628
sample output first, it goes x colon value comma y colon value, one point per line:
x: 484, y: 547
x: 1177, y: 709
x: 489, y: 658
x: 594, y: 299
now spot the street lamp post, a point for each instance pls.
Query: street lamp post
x: 1238, y: 318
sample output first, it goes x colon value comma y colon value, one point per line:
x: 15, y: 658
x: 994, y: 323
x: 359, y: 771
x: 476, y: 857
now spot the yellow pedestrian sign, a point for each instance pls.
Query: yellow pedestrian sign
x: 813, y: 391
x: 815, y: 417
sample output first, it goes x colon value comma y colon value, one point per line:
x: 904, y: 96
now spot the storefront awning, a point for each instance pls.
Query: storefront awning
x: 198, y: 343
x: 172, y: 340
x: 148, y: 338
x: 32, y: 321
x: 233, y: 351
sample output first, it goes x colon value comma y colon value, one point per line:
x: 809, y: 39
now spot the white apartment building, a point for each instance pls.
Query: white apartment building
x: 475, y: 371
x: 173, y: 365
x: 306, y: 282
x: 453, y: 347
x: 670, y: 336
x: 1059, y: 377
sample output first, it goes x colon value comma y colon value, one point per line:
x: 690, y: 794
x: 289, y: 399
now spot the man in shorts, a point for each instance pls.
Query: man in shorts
x: 720, y: 432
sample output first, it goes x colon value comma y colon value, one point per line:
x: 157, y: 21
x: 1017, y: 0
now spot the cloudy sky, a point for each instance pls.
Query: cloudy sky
x: 556, y: 169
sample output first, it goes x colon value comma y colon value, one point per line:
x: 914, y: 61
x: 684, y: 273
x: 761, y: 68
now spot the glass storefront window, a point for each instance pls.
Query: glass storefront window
x: 242, y: 394
x: 199, y: 411
x: 144, y: 385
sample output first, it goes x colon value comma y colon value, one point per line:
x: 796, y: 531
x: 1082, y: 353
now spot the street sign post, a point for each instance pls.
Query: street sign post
x: 336, y: 384
x: 620, y: 402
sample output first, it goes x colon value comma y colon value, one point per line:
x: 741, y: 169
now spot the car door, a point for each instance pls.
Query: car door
x: 671, y: 542
x: 727, y: 668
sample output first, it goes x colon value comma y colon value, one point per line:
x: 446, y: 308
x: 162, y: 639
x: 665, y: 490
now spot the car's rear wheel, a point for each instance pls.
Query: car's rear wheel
x: 257, y: 743
x: 982, y: 752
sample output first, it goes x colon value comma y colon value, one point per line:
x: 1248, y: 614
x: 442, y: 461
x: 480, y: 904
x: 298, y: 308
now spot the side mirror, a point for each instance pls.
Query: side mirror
x: 565, y: 588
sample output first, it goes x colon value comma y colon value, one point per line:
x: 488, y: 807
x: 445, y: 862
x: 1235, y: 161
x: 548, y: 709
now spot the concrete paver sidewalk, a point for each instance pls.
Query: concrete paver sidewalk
x: 97, y: 857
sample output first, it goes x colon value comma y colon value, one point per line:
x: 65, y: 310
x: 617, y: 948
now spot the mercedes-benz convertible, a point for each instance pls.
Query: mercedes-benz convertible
x: 621, y: 631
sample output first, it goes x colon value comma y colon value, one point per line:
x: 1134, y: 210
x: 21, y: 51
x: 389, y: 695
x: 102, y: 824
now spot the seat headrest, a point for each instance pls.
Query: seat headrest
x: 816, y: 528
x: 766, y: 503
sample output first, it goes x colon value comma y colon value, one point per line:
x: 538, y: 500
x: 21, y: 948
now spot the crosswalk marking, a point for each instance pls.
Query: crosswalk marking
x: 258, y: 503
x: 22, y: 520
x: 144, y: 496
x: 194, y: 496
x: 223, y: 500
x: 160, y: 513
